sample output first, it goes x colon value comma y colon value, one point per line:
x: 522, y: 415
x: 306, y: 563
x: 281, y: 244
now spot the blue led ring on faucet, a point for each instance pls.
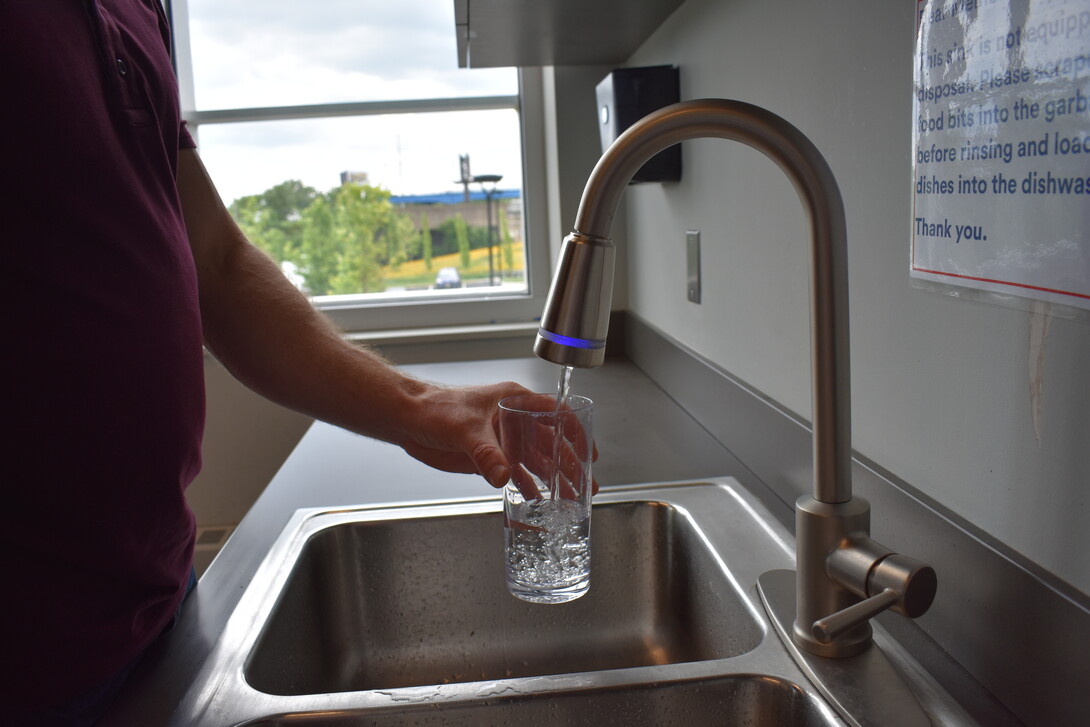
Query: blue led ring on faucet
x: 593, y: 344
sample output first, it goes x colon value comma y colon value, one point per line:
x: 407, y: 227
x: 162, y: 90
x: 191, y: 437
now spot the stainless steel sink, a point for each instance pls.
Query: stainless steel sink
x: 421, y: 600
x: 398, y: 614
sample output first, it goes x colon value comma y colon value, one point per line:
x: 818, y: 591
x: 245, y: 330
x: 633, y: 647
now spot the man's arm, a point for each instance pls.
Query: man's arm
x: 269, y: 336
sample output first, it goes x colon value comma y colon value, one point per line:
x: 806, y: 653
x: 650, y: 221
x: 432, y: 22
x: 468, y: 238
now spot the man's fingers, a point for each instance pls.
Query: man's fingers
x: 525, y: 483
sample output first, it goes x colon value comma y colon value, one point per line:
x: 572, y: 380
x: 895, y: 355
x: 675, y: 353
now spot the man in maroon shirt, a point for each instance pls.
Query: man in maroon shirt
x: 121, y: 263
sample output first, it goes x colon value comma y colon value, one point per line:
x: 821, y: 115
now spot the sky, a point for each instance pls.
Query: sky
x: 249, y: 53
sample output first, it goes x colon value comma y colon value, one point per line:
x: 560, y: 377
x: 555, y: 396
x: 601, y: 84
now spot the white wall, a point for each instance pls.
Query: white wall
x: 941, y: 386
x: 246, y: 439
x: 573, y: 147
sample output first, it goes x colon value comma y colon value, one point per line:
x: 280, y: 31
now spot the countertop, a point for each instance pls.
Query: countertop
x: 642, y: 436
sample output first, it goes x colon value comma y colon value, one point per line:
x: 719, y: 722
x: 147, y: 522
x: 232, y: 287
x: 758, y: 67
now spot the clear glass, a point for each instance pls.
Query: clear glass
x: 258, y: 53
x: 547, y: 508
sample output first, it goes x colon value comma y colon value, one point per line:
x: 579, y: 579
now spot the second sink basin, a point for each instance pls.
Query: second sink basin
x: 420, y: 600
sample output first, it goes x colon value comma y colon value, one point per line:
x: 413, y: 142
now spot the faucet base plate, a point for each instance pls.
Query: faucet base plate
x: 863, y: 689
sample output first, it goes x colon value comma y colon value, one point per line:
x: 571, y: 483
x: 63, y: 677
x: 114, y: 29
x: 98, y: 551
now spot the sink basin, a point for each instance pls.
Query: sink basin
x: 398, y: 614
x: 421, y: 601
x: 750, y: 700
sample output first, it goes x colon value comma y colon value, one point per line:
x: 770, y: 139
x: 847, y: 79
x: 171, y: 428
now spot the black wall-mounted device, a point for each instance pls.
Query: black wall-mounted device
x: 627, y: 95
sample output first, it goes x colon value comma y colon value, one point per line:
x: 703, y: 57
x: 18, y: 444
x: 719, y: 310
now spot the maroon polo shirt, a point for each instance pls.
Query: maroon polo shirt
x: 104, y: 397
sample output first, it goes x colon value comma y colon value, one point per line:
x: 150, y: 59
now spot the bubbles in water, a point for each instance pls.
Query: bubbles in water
x: 552, y: 549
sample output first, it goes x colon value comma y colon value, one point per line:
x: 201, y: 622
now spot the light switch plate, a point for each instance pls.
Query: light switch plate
x: 692, y: 256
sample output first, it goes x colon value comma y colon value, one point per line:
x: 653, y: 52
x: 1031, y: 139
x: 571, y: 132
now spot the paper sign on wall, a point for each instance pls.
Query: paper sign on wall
x: 1001, y: 147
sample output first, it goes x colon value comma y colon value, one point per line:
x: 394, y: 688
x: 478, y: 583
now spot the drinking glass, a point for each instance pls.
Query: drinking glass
x: 547, y: 500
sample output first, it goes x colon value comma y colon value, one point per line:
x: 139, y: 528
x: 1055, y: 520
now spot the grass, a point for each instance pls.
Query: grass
x: 413, y: 274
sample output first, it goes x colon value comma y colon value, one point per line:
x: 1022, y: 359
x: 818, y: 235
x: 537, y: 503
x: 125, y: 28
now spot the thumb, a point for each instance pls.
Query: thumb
x: 490, y: 461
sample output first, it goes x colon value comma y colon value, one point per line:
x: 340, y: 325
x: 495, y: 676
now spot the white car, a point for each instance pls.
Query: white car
x: 448, y: 278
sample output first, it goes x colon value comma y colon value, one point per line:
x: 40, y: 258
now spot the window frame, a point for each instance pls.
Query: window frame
x: 366, y: 313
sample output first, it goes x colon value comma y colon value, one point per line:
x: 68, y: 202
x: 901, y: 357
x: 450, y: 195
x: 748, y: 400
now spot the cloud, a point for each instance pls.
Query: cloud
x: 407, y: 154
x: 252, y: 53
x: 284, y: 52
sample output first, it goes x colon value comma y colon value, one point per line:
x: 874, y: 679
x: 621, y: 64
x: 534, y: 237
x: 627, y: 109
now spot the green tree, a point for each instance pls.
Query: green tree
x: 461, y: 237
x: 401, y: 238
x: 425, y: 241
x: 361, y: 214
x: 506, y: 242
x: 318, y: 258
x: 273, y: 220
x: 338, y: 241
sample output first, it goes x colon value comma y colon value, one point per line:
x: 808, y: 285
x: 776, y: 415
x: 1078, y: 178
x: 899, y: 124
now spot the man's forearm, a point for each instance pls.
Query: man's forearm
x: 271, y: 338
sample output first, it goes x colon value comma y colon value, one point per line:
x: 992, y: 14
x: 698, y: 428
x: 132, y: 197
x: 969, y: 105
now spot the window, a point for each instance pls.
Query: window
x: 349, y: 145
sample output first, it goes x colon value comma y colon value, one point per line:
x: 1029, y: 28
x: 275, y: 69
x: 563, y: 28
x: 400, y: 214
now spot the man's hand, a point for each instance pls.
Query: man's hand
x: 538, y: 460
x: 459, y: 430
x: 455, y: 430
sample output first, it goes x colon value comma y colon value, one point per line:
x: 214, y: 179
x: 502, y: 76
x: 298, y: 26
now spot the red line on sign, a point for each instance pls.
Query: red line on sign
x: 1002, y: 282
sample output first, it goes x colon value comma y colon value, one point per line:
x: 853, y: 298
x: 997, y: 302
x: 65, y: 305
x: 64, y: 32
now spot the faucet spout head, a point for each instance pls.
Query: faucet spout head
x: 575, y: 321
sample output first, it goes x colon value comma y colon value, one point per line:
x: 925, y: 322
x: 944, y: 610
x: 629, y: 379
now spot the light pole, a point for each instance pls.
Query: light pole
x: 483, y: 179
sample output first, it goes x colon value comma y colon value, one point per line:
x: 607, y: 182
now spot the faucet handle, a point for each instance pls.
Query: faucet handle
x: 892, y: 581
x: 828, y: 628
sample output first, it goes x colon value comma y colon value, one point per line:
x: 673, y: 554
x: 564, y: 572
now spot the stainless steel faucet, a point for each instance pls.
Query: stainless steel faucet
x: 843, y: 578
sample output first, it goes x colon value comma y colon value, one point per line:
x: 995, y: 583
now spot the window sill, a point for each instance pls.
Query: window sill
x: 448, y: 343
x: 446, y: 334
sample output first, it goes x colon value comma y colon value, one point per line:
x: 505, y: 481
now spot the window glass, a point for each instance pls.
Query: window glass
x: 408, y: 154
x: 371, y: 204
x: 359, y: 204
x: 251, y: 53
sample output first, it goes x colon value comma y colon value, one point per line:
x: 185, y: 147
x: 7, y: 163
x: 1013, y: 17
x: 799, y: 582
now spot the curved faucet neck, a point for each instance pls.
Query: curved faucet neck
x: 817, y: 188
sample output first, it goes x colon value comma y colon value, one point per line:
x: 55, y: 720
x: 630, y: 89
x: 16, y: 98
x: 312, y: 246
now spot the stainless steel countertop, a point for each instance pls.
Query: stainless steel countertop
x: 641, y: 434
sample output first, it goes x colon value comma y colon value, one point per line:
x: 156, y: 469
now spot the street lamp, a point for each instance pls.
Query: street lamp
x: 489, y: 194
